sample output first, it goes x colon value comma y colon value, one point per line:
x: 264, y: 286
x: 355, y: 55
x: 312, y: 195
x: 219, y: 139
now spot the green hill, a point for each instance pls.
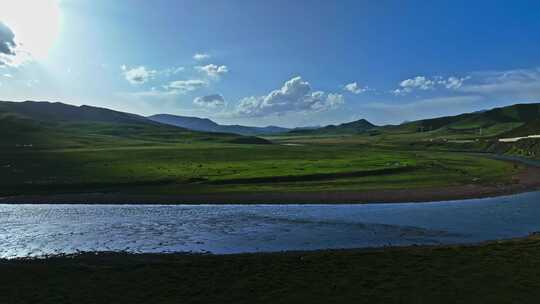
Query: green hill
x: 58, y: 125
x: 510, y: 121
x: 523, y: 118
x: 55, y: 112
x: 528, y: 128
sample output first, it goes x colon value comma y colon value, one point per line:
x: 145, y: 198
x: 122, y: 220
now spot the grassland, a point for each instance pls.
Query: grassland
x: 220, y: 168
x: 58, y: 149
x: 498, y: 272
x: 119, y: 156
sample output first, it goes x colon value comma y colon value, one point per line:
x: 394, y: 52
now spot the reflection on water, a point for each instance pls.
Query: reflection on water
x: 35, y: 230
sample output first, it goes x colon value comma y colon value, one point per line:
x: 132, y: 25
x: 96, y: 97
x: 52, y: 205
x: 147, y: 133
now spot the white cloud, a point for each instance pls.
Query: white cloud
x: 213, y: 70
x: 10, y: 52
x: 142, y: 74
x: 184, y: 86
x: 7, y: 40
x: 334, y: 100
x: 424, y: 83
x: 354, y: 88
x: 138, y: 75
x: 452, y: 82
x: 201, y: 56
x: 296, y: 95
x: 210, y: 101
x: 418, y: 82
x: 7, y: 75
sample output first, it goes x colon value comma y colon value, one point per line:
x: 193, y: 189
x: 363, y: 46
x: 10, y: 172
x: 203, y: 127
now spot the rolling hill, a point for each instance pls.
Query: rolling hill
x: 510, y: 121
x: 207, y: 125
x: 518, y: 119
x: 46, y: 124
x: 56, y: 112
x: 514, y: 120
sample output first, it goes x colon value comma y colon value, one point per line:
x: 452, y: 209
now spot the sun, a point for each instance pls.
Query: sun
x: 35, y: 23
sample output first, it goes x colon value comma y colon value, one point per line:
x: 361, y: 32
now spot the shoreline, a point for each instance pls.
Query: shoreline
x: 528, y: 180
x: 533, y: 236
x: 414, y: 274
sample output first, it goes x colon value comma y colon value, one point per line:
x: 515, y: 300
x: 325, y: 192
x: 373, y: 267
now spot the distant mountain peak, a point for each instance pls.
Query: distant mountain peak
x: 208, y: 125
x: 357, y: 126
x: 361, y: 122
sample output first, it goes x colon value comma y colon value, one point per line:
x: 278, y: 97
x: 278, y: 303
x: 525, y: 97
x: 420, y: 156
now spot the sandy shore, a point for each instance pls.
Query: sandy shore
x: 526, y: 180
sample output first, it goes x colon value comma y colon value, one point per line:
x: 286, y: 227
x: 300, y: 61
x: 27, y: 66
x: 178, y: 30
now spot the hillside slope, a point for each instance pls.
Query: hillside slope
x: 498, y: 122
x: 45, y: 124
x: 61, y: 112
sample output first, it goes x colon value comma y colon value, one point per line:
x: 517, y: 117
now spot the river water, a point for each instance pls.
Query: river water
x: 37, y: 230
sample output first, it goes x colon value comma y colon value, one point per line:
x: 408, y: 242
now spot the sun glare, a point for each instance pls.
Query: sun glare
x: 35, y: 23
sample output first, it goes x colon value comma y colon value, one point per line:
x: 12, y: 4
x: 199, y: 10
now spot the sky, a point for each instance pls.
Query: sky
x: 286, y: 63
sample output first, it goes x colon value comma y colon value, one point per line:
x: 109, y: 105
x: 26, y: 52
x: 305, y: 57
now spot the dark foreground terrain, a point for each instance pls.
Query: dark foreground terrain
x: 499, y: 272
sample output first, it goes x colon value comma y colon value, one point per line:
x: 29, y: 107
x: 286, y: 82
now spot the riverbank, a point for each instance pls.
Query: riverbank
x: 493, y: 272
x: 528, y: 179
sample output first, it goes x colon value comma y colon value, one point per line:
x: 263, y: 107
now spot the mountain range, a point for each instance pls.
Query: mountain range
x: 33, y: 121
x: 207, y: 125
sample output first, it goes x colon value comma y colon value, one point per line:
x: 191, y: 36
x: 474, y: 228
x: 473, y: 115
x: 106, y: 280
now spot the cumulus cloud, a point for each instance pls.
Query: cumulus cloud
x: 201, y: 56
x: 452, y: 82
x: 295, y: 95
x: 213, y: 70
x: 418, y: 82
x: 354, y: 88
x: 7, y: 40
x: 424, y: 83
x: 334, y: 100
x: 210, y: 101
x: 7, y: 45
x: 138, y: 75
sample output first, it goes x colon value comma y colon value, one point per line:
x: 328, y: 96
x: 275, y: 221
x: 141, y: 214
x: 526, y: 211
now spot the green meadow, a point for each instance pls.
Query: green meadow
x: 203, y: 167
x: 54, y: 148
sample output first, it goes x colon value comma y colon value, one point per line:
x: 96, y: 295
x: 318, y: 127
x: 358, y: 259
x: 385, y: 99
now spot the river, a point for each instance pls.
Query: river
x: 38, y: 230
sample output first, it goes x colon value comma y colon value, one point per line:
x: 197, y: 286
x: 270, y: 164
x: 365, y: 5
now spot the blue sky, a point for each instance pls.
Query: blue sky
x: 289, y: 63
